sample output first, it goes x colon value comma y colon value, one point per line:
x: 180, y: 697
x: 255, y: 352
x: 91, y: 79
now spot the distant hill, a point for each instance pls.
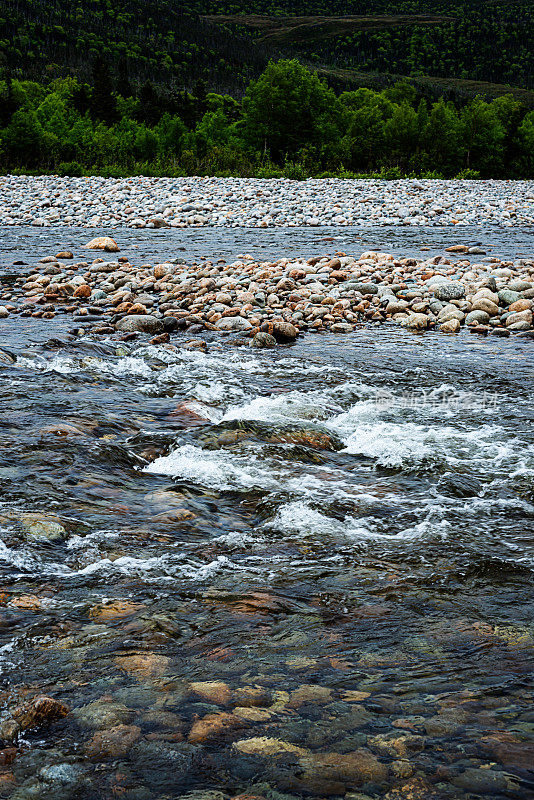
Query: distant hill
x: 451, y: 47
x: 162, y: 41
x: 471, y: 40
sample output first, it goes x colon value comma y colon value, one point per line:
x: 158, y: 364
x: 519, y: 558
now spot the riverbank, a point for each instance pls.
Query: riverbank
x: 236, y: 202
x: 275, y: 301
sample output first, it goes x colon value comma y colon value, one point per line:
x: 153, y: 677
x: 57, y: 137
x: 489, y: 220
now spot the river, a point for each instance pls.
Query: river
x: 301, y: 572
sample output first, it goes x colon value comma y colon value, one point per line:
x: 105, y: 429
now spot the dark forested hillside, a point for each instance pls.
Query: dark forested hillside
x: 225, y: 43
x: 161, y: 41
x: 478, y: 40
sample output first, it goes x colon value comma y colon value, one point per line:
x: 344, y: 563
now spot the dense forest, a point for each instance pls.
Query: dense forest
x: 161, y: 41
x: 467, y: 39
x: 289, y: 87
x: 226, y: 43
x: 288, y: 123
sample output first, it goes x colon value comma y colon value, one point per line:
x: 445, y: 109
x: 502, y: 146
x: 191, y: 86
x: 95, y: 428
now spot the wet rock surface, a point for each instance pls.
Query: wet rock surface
x: 273, y: 302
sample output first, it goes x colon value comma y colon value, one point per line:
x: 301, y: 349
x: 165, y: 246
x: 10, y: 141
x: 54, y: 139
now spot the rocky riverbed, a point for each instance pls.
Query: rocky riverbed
x: 229, y: 572
x: 183, y: 202
x: 275, y: 301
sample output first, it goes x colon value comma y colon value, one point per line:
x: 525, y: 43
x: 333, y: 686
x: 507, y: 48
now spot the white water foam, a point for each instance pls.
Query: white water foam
x: 301, y: 519
x: 214, y: 469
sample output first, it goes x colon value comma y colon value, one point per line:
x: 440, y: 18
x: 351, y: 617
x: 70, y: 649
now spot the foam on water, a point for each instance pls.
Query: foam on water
x: 27, y: 561
x: 435, y: 427
x: 291, y: 407
x: 214, y: 469
x: 299, y: 518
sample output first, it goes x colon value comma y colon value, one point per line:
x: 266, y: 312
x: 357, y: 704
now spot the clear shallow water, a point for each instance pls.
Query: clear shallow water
x: 354, y: 515
x: 29, y: 244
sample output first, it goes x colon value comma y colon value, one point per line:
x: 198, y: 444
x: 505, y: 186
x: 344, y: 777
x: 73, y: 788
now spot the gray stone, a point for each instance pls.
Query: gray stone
x: 284, y: 332
x: 416, y: 322
x: 263, y: 340
x: 234, y: 324
x: 450, y: 312
x: 167, y: 765
x: 144, y: 323
x: 520, y: 286
x: 477, y: 318
x: 507, y: 297
x: 449, y: 291
x: 481, y: 781
x: 38, y: 526
x: 100, y: 714
x: 363, y: 288
x: 6, y: 357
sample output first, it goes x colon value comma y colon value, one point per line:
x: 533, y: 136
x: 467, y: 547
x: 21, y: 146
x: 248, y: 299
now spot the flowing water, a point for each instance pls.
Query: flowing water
x: 334, y: 539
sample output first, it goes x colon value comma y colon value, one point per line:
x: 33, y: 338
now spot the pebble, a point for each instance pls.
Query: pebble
x: 144, y: 202
x: 273, y: 302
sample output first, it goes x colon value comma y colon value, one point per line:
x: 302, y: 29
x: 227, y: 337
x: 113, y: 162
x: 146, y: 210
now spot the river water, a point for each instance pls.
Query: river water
x: 322, y: 550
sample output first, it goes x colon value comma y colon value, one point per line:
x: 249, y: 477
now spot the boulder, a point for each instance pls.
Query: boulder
x: 507, y: 297
x: 216, y: 692
x: 83, y: 292
x: 457, y: 248
x: 44, y: 527
x: 520, y: 305
x: 450, y: 326
x: 477, y: 317
x: 341, y: 327
x: 266, y: 747
x: 103, y: 243
x: 524, y: 317
x: 450, y: 312
x: 284, y: 332
x: 488, y: 294
x: 143, y: 323
x: 449, y: 291
x: 417, y: 322
x: 363, y: 288
x: 484, y: 304
x: 39, y: 710
x: 114, y: 742
x: 335, y: 773
x: 520, y: 286
x: 103, y: 715
x: 263, y: 339
x: 234, y: 324
x: 213, y: 727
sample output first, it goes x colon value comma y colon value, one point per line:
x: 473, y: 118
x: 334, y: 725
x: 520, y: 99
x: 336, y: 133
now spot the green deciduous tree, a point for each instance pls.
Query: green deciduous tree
x: 482, y: 135
x: 287, y: 108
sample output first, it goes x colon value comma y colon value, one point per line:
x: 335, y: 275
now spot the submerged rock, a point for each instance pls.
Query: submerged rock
x: 334, y: 773
x: 235, y: 431
x: 264, y: 747
x: 263, y: 339
x: 103, y: 714
x: 42, y: 526
x: 215, y: 726
x: 114, y: 742
x: 39, y: 710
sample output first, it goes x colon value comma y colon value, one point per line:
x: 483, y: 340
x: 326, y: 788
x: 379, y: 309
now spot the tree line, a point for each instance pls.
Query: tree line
x: 289, y: 123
